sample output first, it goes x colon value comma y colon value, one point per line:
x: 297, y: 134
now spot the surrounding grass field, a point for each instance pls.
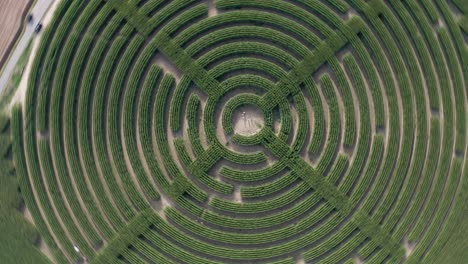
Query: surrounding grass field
x: 240, y: 131
x: 19, y: 238
x: 455, y: 249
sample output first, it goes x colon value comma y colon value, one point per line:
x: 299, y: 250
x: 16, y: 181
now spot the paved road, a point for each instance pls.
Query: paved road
x: 38, y: 12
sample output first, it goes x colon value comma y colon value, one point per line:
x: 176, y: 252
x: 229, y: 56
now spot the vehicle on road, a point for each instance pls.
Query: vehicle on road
x: 38, y: 28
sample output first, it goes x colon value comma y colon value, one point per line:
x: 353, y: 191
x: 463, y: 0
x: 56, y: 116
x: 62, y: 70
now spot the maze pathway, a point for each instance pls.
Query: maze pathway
x: 266, y: 131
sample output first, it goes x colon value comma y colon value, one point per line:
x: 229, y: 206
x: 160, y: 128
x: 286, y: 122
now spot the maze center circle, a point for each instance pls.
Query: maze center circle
x: 247, y: 120
x: 267, y: 131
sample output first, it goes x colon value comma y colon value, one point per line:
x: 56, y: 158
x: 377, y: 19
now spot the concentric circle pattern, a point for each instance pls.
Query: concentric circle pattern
x: 241, y: 131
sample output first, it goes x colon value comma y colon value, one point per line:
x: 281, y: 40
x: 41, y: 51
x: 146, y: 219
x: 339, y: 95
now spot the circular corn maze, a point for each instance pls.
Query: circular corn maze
x: 240, y: 131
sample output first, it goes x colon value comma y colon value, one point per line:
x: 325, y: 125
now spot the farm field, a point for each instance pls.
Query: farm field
x: 11, y: 18
x: 240, y: 131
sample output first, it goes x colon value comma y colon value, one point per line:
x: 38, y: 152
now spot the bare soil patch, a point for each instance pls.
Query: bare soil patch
x: 44, y: 248
x: 247, y: 120
x: 12, y: 16
x: 27, y: 215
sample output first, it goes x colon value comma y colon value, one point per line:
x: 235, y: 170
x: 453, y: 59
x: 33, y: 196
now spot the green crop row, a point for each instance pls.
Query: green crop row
x: 56, y: 195
x: 319, y: 116
x: 163, y: 228
x: 99, y: 129
x: 70, y: 137
x: 113, y: 124
x: 193, y: 118
x: 165, y: 15
x: 364, y: 136
x: 26, y: 188
x: 200, y: 167
x: 46, y: 205
x: 159, y: 127
x: 303, y: 124
x: 252, y: 175
x: 129, y: 124
x: 144, y: 125
x: 56, y: 139
x: 269, y: 188
x: 177, y: 100
x: 283, y: 28
x: 264, y: 206
x: 90, y: 164
x: 344, y: 90
x: 420, y: 145
x: 268, y: 52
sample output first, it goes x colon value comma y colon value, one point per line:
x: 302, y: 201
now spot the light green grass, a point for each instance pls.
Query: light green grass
x: 455, y: 250
x: 17, y: 236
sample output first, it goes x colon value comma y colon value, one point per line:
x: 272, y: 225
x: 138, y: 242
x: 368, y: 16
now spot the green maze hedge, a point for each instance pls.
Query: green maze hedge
x: 130, y: 146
